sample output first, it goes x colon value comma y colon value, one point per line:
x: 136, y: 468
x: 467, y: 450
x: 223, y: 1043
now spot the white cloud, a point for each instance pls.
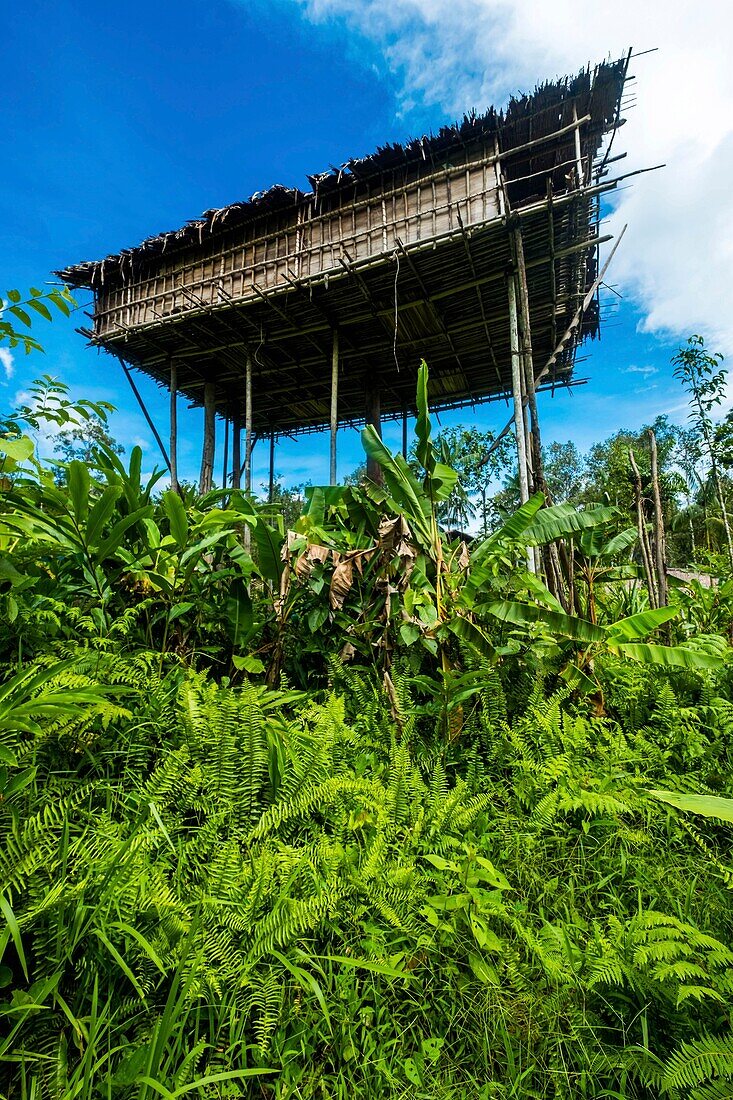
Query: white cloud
x: 676, y: 258
x: 6, y: 362
x: 641, y: 370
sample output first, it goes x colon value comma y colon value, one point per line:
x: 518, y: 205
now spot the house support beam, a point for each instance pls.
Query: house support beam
x: 225, y: 462
x: 517, y: 390
x: 236, y: 452
x: 248, y: 443
x: 207, y: 454
x: 334, y: 404
x: 174, y: 424
x: 271, y: 482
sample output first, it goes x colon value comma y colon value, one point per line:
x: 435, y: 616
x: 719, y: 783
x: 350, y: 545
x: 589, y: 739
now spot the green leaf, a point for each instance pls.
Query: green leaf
x: 561, y: 520
x: 40, y: 307
x: 17, y: 449
x: 114, y: 538
x: 269, y: 547
x: 707, y: 805
x: 20, y: 314
x: 405, y: 489
x: 425, y: 454
x: 483, y: 970
x: 250, y: 664
x: 14, y: 296
x: 177, y: 519
x: 101, y: 513
x: 14, y: 929
x: 522, y: 614
x: 409, y: 632
x: 77, y: 480
x: 442, y: 481
x: 317, y: 618
x: 641, y: 624
x: 673, y: 656
x: 469, y: 632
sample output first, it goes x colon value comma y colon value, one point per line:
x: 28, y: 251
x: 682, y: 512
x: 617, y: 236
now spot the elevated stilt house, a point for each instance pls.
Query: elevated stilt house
x: 476, y: 249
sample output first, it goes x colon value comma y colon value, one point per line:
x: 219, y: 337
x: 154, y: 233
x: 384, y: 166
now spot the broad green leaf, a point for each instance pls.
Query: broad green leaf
x: 269, y: 546
x: 442, y: 481
x: 707, y: 805
x: 404, y: 488
x: 674, y: 656
x: 101, y: 513
x: 561, y: 520
x: 250, y: 664
x: 17, y: 449
x: 620, y: 542
x: 522, y: 614
x: 114, y: 538
x: 77, y: 480
x: 641, y: 624
x: 177, y: 519
x: 473, y: 635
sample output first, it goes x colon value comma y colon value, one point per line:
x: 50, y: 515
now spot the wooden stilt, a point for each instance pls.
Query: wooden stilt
x: 334, y: 404
x: 517, y: 391
x: 373, y: 416
x: 174, y: 425
x: 236, y: 452
x: 225, y: 463
x: 248, y: 427
x: 535, y: 451
x: 271, y: 483
x: 207, y: 454
x: 404, y: 433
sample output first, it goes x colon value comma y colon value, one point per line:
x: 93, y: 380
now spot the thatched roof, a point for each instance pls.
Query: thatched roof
x: 525, y: 118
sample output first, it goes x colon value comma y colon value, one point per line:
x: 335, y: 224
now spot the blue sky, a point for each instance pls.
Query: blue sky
x: 125, y: 120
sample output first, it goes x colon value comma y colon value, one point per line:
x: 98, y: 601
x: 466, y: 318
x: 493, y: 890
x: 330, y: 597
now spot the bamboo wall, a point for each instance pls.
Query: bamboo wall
x: 308, y: 240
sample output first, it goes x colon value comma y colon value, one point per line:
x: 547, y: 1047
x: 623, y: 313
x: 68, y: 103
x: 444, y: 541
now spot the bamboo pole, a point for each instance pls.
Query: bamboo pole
x: 561, y: 345
x: 535, y: 454
x: 517, y: 392
x: 207, y: 454
x: 271, y: 483
x: 404, y: 433
x: 248, y: 426
x: 236, y: 452
x: 225, y: 462
x: 334, y: 404
x: 174, y: 425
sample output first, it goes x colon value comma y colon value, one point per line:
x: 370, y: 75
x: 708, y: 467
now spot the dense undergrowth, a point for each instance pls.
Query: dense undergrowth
x: 360, y: 813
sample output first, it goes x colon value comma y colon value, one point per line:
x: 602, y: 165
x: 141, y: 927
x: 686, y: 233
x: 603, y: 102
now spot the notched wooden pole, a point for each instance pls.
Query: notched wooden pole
x: 207, y: 454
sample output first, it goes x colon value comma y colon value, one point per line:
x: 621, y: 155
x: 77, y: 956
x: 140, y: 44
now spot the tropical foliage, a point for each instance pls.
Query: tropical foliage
x: 368, y: 809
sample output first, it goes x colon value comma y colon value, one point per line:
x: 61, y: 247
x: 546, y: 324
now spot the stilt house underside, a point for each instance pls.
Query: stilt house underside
x: 404, y: 254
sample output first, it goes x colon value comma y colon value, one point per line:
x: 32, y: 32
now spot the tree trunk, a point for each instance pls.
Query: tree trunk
x: 660, y: 548
x: 646, y: 556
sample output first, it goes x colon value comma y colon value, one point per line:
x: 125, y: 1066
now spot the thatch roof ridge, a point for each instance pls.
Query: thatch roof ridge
x: 473, y: 127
